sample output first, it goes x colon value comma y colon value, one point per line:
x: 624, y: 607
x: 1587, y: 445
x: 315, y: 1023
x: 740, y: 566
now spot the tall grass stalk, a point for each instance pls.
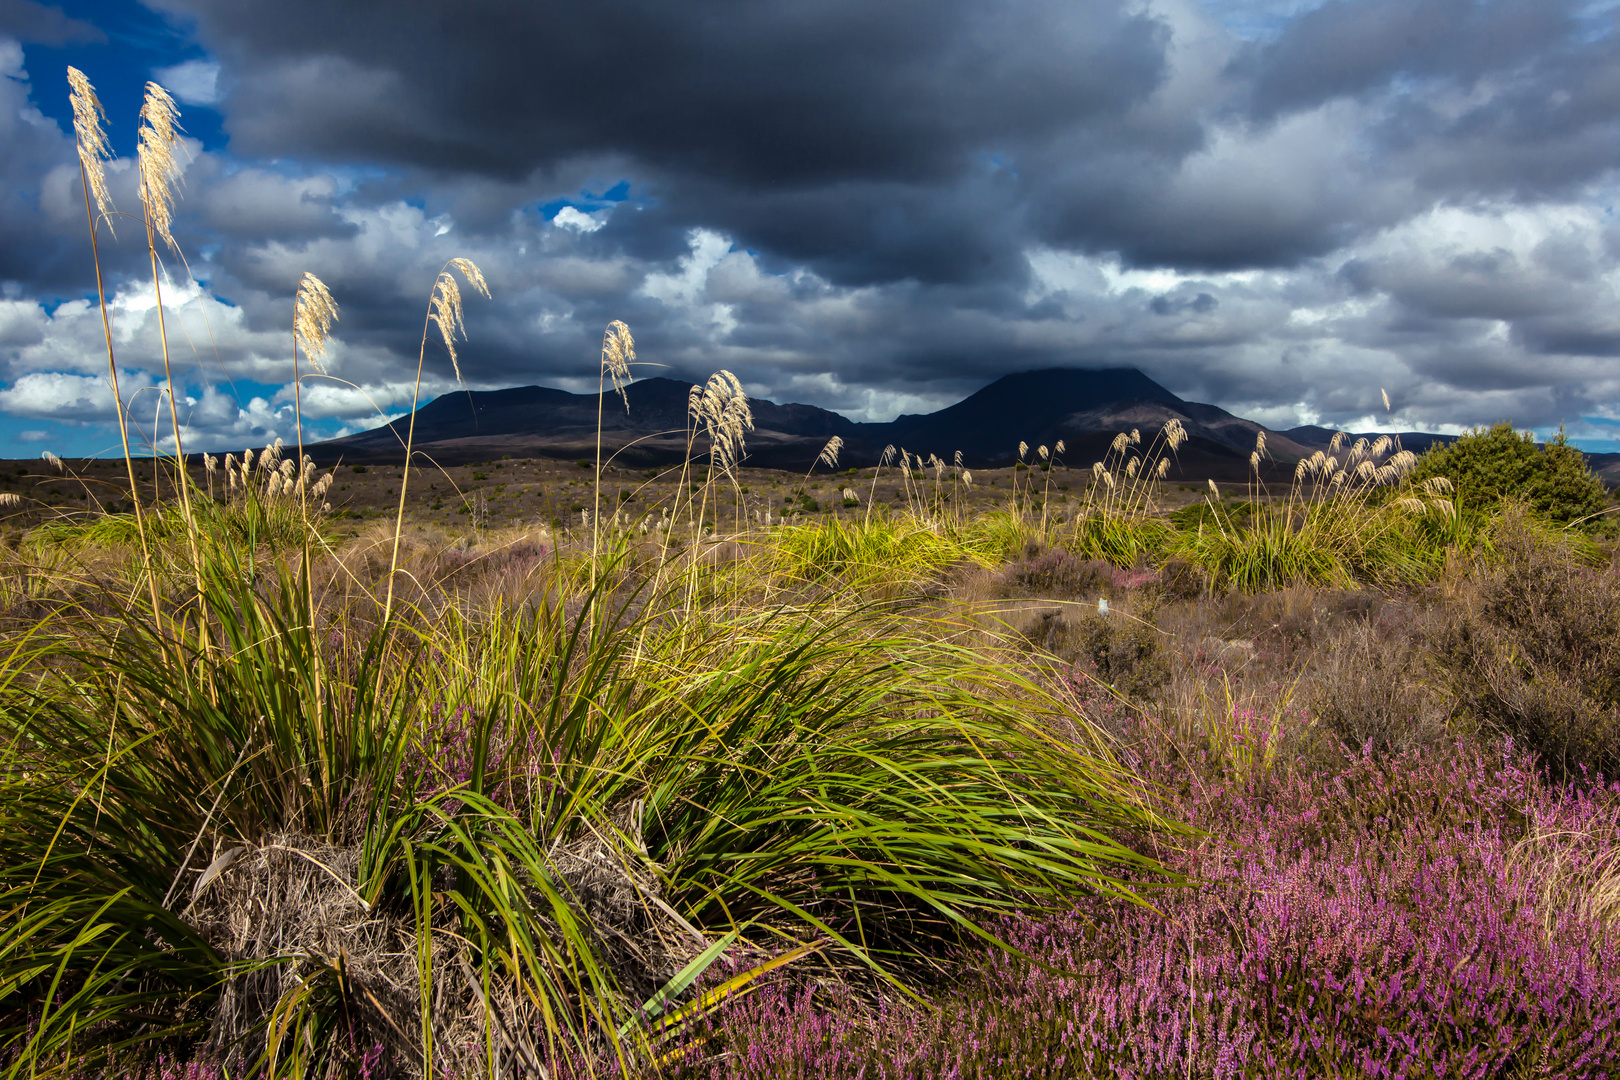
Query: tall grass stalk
x: 871, y: 495
x: 159, y: 168
x: 1117, y: 519
x: 1342, y: 521
x: 444, y: 311
x: 92, y: 147
x: 618, y: 352
x: 1049, y: 461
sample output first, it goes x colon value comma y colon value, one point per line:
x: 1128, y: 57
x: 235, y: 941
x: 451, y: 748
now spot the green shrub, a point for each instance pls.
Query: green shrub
x: 1491, y: 464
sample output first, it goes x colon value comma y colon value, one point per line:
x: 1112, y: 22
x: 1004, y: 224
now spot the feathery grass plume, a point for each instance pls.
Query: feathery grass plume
x: 829, y: 453
x: 723, y: 412
x: 958, y: 459
x: 210, y: 462
x: 1436, y: 486
x: 446, y: 309
x: 160, y: 167
x: 967, y: 478
x: 883, y: 462
x: 10, y: 498
x: 1213, y: 490
x: 1385, y: 394
x: 618, y: 353
x: 158, y: 164
x: 618, y: 350
x: 1044, y: 452
x: 52, y: 460
x: 88, y: 116
x: 93, y: 147
x: 727, y: 418
x: 1023, y: 448
x: 1060, y: 448
x: 314, y: 312
x: 1120, y: 443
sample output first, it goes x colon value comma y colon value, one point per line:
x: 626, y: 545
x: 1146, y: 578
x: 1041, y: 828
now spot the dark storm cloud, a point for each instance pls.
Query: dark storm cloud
x: 1347, y: 48
x: 1503, y: 97
x: 39, y: 24
x: 878, y: 207
x: 765, y: 94
x: 931, y: 140
x: 861, y: 138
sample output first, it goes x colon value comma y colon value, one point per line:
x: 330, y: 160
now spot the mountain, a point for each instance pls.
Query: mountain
x: 1083, y: 408
x: 538, y: 421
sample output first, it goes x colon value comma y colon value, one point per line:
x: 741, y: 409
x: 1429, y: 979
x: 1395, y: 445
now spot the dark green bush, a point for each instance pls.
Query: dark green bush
x: 1491, y: 464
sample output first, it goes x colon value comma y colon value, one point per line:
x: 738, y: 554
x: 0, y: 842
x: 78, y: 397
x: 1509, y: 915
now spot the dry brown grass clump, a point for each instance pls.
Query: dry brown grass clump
x: 1530, y: 647
x: 287, y: 915
x: 1373, y: 688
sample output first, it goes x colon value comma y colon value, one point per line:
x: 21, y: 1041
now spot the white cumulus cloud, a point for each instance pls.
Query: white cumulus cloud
x: 195, y: 82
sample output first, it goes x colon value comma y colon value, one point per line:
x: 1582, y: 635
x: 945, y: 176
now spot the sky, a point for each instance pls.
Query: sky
x: 1282, y: 207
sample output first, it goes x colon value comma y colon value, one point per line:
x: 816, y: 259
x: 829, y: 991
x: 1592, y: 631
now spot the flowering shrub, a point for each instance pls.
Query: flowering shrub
x: 1382, y: 920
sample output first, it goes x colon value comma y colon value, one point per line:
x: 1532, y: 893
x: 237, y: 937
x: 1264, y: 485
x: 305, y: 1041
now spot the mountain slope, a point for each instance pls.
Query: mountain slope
x: 1084, y: 408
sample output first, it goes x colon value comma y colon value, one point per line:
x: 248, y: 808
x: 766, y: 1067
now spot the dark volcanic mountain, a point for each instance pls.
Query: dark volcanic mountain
x: 1085, y: 409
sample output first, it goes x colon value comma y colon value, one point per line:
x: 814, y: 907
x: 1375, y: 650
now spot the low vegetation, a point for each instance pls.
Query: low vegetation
x: 1305, y: 783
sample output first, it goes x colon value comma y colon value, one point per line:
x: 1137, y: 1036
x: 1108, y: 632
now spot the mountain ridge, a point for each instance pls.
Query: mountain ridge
x: 1083, y: 407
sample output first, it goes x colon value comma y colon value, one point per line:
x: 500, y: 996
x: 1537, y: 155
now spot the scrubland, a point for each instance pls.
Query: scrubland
x: 1091, y: 782
x: 1301, y: 783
